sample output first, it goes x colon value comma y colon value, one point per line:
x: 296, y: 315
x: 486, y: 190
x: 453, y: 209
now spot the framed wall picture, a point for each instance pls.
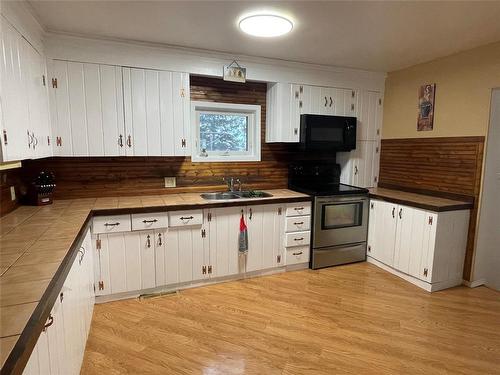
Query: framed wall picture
x: 426, y: 95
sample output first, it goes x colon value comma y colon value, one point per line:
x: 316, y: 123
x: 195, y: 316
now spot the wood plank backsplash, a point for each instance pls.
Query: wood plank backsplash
x: 448, y: 167
x: 118, y: 176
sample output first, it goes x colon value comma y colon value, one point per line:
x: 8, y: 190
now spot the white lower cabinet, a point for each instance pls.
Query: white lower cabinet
x: 61, y: 345
x: 422, y: 246
x: 197, y: 245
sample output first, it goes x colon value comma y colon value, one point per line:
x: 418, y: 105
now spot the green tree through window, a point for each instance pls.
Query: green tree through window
x: 223, y: 132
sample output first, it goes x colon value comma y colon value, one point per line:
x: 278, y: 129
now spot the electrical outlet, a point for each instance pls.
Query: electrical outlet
x: 13, y: 193
x: 170, y: 182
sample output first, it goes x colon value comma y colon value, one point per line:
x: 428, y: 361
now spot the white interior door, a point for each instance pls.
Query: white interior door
x: 487, y: 264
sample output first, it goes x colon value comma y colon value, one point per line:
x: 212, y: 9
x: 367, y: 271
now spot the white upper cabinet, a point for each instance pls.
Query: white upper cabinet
x: 24, y: 112
x: 370, y: 116
x: 87, y: 109
x: 104, y: 110
x: 156, y: 112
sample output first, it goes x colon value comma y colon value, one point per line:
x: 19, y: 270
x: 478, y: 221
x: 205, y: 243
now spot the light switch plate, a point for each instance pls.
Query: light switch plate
x: 170, y: 182
x: 13, y: 193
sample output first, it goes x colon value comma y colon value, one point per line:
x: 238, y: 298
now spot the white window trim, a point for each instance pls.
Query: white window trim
x: 254, y: 131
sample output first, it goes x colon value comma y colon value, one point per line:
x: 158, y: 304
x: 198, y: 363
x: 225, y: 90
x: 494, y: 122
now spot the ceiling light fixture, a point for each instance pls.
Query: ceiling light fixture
x: 265, y: 25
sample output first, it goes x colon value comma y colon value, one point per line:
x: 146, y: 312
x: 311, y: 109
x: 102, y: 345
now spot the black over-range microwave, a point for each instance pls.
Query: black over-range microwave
x: 327, y: 133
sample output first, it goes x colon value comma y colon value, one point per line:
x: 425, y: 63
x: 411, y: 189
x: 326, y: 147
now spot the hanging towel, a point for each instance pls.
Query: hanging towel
x: 243, y: 239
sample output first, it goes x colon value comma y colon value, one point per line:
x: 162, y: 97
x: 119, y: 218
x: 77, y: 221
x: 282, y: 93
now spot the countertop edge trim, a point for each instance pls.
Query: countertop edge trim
x: 429, y: 207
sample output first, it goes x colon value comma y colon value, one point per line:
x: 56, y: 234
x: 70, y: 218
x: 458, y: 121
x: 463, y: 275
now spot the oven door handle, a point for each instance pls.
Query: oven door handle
x: 341, y: 202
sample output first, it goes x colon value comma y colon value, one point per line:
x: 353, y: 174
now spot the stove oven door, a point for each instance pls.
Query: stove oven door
x: 340, y: 220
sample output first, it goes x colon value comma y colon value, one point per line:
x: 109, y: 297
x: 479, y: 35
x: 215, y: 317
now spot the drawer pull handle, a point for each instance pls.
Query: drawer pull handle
x: 111, y: 224
x: 299, y: 239
x: 299, y: 223
x: 149, y: 221
x: 299, y: 253
x: 298, y: 208
x: 187, y: 218
x: 51, y: 321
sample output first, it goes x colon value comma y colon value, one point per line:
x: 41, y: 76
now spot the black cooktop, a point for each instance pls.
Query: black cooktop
x: 329, y: 189
x: 319, y: 178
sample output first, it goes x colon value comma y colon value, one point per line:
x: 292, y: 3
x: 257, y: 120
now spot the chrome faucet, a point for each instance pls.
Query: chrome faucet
x: 233, y: 184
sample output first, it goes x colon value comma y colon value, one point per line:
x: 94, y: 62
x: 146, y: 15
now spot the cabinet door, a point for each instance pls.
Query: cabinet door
x: 324, y: 102
x: 190, y: 252
x: 296, y: 105
x: 60, y: 115
x: 156, y: 112
x: 147, y: 255
x: 181, y: 107
x: 424, y: 269
x: 408, y: 247
x: 370, y: 116
x: 224, y: 227
x: 39, y: 127
x: 265, y: 236
x: 159, y: 250
x: 116, y: 247
x: 365, y: 164
x: 14, y: 103
x: 382, y: 231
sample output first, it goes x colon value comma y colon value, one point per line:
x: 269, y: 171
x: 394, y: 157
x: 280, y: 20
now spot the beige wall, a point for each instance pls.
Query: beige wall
x: 463, y: 92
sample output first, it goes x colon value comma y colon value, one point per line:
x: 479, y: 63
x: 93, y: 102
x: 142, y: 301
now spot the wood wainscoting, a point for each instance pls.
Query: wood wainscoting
x: 78, y: 177
x: 449, y: 167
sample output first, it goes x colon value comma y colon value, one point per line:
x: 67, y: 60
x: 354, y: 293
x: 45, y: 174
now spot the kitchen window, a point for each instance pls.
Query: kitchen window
x: 226, y: 132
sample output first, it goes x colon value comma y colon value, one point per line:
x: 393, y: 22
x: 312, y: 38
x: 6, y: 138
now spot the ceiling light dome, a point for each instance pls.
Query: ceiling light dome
x: 265, y: 25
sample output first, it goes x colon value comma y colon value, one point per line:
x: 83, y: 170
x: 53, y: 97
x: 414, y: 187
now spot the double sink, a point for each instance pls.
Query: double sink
x: 235, y: 195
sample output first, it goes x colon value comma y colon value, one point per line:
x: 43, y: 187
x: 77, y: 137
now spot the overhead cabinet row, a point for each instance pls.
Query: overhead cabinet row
x: 286, y: 102
x: 104, y: 110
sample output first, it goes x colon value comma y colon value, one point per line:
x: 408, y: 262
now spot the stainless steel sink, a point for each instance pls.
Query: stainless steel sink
x: 235, y: 195
x: 253, y: 194
x: 219, y: 196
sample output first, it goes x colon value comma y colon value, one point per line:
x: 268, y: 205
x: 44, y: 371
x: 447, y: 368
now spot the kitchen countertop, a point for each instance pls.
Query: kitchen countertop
x: 426, y: 202
x: 37, y: 247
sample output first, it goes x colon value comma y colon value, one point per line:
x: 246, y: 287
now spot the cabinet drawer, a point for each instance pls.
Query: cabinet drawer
x: 297, y: 239
x: 298, y: 209
x: 185, y: 218
x: 297, y: 223
x: 111, y: 224
x: 149, y: 221
x: 296, y: 255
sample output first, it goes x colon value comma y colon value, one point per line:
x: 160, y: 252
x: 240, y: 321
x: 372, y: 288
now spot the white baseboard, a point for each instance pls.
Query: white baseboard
x: 172, y: 288
x: 434, y: 287
x: 475, y: 283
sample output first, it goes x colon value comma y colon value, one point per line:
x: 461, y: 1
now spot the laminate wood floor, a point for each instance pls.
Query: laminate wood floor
x: 353, y: 319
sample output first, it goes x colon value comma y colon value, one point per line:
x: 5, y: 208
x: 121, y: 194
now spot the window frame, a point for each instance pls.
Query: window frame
x: 253, y: 113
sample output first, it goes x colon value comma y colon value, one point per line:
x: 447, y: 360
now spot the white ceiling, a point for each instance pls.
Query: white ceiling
x: 379, y: 36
